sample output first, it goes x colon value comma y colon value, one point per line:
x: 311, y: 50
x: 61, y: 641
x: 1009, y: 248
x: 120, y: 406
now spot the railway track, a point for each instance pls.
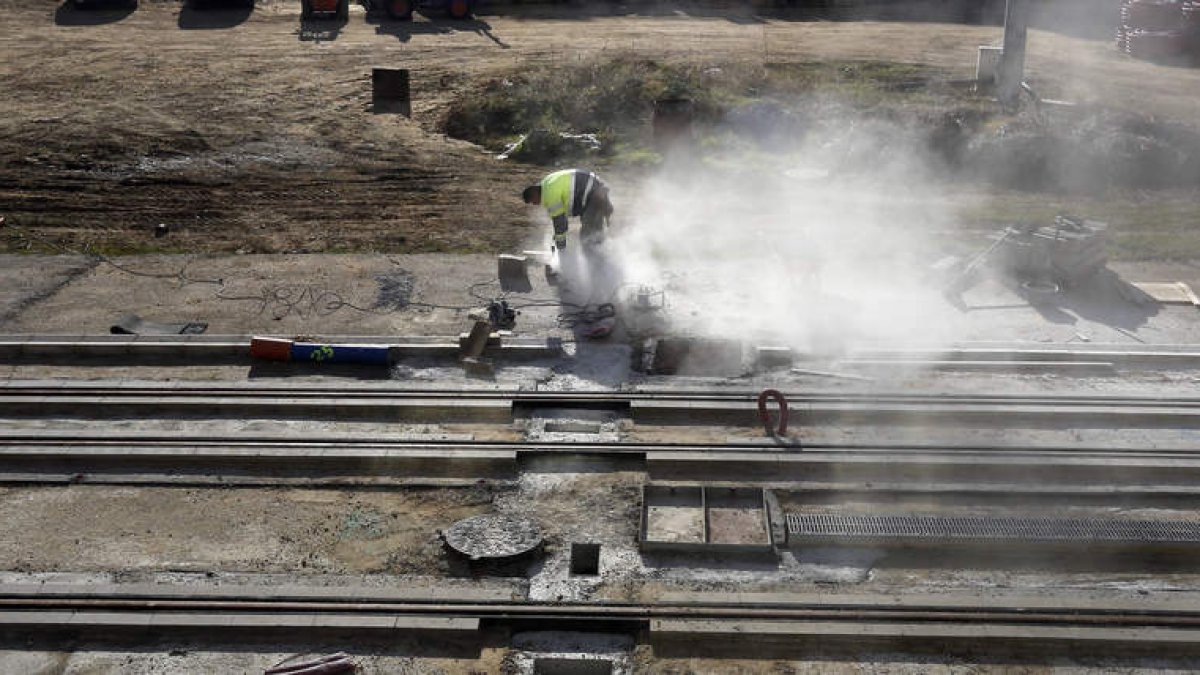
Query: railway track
x: 1051, y: 619
x: 648, y: 406
x: 107, y: 455
x: 1141, y: 477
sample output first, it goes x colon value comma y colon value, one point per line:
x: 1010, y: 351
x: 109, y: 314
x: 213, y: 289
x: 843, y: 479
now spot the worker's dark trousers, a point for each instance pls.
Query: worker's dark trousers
x: 595, y: 216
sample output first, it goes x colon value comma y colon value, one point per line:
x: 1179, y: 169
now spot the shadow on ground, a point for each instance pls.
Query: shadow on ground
x: 432, y: 25
x: 96, y: 13
x: 214, y: 14
x: 1106, y: 299
x: 1089, y: 19
x: 321, y: 29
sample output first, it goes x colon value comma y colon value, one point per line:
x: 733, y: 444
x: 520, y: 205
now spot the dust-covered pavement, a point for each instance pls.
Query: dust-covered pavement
x: 434, y: 294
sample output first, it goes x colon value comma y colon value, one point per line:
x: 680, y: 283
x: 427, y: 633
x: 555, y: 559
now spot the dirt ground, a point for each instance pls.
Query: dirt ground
x: 252, y: 131
x: 200, y: 530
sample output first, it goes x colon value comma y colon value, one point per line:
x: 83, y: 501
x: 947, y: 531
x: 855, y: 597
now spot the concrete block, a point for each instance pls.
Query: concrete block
x: 477, y: 367
x: 476, y: 340
x: 514, y: 275
x: 767, y: 357
x: 493, y: 340
x: 390, y: 91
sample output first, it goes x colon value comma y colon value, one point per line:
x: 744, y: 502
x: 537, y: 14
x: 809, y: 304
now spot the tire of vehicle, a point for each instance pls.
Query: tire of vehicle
x: 400, y: 10
x: 459, y: 9
x: 306, y: 12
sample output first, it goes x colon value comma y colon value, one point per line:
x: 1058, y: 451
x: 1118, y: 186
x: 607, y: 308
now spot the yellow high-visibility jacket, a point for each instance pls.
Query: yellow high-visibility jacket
x: 558, y: 193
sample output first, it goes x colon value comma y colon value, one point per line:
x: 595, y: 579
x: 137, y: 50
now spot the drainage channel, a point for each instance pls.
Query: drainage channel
x: 854, y: 529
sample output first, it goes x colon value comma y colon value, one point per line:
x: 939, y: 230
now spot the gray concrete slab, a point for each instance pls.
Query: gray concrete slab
x: 415, y: 592
x: 316, y: 295
x: 992, y: 598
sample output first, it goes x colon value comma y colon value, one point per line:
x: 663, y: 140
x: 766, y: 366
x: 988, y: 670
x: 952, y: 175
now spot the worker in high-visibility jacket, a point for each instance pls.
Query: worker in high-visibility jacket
x: 573, y: 192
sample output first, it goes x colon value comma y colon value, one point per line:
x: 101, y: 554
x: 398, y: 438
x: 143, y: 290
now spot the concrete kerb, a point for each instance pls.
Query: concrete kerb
x: 416, y: 593
x: 734, y: 413
x: 267, y: 461
x: 671, y: 635
x: 235, y: 349
x: 918, y: 467
x: 92, y: 621
x: 429, y: 410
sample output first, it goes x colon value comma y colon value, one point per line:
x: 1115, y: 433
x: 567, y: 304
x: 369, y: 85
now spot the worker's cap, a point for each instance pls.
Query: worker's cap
x: 532, y: 194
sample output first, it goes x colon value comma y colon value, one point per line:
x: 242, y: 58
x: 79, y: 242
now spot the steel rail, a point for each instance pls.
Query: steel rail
x: 644, y: 409
x: 49, y: 447
x: 624, y: 612
x: 323, y: 392
x: 288, y: 439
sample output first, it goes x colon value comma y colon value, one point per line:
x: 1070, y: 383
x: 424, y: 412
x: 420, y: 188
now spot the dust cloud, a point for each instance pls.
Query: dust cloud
x: 823, y: 248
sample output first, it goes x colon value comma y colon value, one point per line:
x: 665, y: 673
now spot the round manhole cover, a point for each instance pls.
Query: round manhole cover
x: 493, y: 536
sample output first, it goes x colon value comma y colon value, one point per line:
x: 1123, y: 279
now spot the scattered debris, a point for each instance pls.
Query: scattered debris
x: 1128, y: 333
x: 512, y: 147
x: 543, y: 143
x: 331, y: 664
x: 826, y: 373
x: 968, y: 275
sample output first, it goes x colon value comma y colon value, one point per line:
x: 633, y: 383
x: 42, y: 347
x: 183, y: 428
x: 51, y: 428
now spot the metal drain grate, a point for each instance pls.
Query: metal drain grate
x: 822, y: 525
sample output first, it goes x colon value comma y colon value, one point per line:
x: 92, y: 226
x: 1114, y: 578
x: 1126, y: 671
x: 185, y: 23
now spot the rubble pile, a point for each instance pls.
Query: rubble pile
x: 1066, y: 253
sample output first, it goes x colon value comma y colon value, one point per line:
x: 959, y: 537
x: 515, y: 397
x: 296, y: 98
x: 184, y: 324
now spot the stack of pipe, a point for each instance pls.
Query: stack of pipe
x: 1160, y: 29
x: 280, y: 349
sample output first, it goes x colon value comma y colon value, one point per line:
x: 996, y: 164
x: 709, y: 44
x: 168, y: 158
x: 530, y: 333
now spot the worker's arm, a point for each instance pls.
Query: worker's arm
x: 560, y: 231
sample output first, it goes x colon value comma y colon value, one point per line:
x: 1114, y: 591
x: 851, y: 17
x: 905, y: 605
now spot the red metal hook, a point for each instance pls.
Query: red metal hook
x: 765, y: 416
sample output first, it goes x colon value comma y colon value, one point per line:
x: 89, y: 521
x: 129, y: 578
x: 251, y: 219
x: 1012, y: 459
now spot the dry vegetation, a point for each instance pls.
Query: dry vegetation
x: 271, y: 146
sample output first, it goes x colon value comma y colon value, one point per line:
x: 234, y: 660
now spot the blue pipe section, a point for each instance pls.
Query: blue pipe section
x: 319, y: 353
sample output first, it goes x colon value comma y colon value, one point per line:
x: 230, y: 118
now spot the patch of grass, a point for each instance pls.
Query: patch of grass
x: 615, y: 99
x: 1156, y: 225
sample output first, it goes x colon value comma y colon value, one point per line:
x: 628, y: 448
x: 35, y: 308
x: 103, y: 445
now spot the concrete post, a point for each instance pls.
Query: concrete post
x: 1012, y: 64
x: 389, y: 91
